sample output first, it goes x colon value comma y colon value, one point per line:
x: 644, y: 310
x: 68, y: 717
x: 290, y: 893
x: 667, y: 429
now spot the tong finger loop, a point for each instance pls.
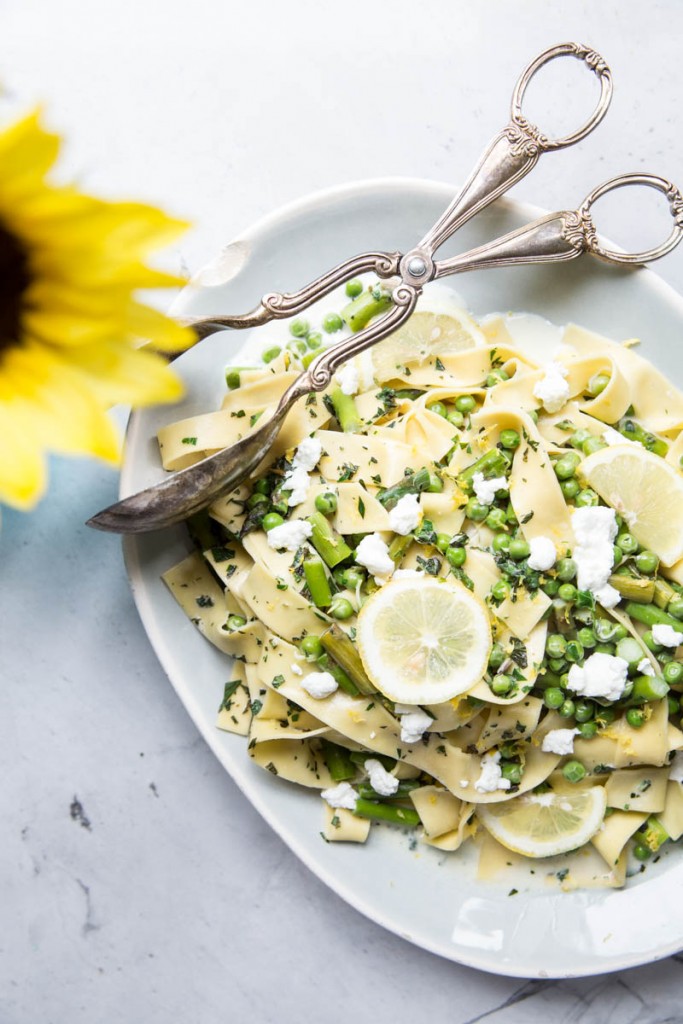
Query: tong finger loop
x: 283, y: 304
x: 526, y: 137
x: 585, y: 234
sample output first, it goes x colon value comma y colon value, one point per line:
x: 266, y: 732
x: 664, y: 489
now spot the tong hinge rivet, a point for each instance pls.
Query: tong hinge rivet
x: 417, y: 266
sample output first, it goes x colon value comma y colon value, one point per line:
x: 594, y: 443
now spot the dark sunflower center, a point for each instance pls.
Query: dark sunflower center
x: 14, y: 279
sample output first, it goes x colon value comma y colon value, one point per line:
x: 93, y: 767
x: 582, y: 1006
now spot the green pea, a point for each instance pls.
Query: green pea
x: 566, y: 466
x: 232, y: 379
x: 579, y: 438
x: 353, y: 288
x: 555, y: 645
x: 587, y: 498
x: 551, y: 587
x: 311, y: 646
x: 435, y: 485
x: 350, y: 578
x: 501, y: 684
x: 630, y: 650
x: 641, y: 852
x: 257, y: 499
x: 574, y: 771
x: 570, y: 488
x: 675, y: 607
x: 593, y: 444
x: 455, y: 417
x: 647, y: 562
x: 617, y: 553
x: 566, y: 569
x: 635, y: 718
x: 567, y: 709
x: 442, y: 542
x: 553, y: 697
x: 299, y: 328
x: 497, y: 656
x: 314, y: 340
x: 567, y: 592
x: 597, y: 384
x: 326, y: 503
x: 557, y: 665
x: 500, y: 590
x: 587, y: 730
x: 465, y: 403
x: 236, y: 622
x: 607, y: 630
x: 263, y: 486
x: 628, y: 543
x: 512, y: 772
x: 456, y: 557
x: 495, y: 377
x: 605, y: 716
x: 271, y: 520
x: 587, y: 637
x: 341, y: 608
x: 271, y: 353
x: 297, y: 345
x: 584, y: 711
x: 496, y: 519
x: 574, y: 651
x: 501, y: 542
x: 603, y: 649
x: 510, y: 439
x: 533, y: 415
x: 439, y: 408
x: 673, y: 672
x: 332, y: 323
x: 510, y: 513
x: 509, y: 751
x: 674, y: 706
x: 519, y: 548
x: 476, y: 511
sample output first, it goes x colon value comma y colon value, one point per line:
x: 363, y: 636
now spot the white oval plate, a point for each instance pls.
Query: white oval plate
x: 429, y: 898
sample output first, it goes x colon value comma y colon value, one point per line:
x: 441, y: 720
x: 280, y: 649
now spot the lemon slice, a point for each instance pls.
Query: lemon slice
x: 545, y: 824
x: 439, y: 326
x: 423, y: 641
x: 645, y: 490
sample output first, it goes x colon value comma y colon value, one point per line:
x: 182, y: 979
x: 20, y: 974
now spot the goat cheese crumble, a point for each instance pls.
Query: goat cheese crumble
x: 645, y: 667
x: 319, y: 684
x: 485, y: 490
x: 552, y: 390
x: 543, y: 554
x: 342, y: 796
x: 373, y: 553
x: 406, y: 515
x: 491, y: 777
x: 414, y: 722
x: 297, y: 479
x: 347, y: 379
x: 666, y: 635
x: 595, y: 529
x: 601, y: 675
x: 382, y: 781
x: 559, y: 741
x: 289, y: 535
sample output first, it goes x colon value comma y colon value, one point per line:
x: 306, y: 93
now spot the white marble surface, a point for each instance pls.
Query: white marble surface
x: 136, y: 883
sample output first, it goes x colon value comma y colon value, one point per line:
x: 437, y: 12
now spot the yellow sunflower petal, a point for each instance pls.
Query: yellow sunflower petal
x: 27, y: 152
x: 23, y: 470
x: 136, y: 376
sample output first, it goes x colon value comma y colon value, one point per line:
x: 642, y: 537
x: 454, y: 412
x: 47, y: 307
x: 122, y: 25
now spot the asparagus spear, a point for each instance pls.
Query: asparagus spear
x: 386, y: 812
x: 331, y: 547
x: 358, y: 313
x: 317, y: 582
x: 366, y: 791
x: 326, y: 664
x: 642, y: 591
x: 346, y: 411
x: 414, y: 483
x: 338, y: 645
x: 634, y: 432
x: 492, y: 463
x: 651, y: 615
x: 339, y: 764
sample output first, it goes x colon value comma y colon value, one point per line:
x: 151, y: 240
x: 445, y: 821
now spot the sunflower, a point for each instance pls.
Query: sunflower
x: 70, y: 323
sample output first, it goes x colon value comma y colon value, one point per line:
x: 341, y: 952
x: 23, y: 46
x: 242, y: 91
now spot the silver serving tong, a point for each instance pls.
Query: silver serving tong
x: 557, y: 237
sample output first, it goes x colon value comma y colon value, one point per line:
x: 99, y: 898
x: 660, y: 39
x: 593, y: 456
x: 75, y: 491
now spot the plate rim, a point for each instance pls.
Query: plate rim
x: 309, y: 203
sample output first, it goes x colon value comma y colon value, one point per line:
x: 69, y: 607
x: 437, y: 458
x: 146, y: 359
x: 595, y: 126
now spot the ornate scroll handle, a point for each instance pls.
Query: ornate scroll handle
x: 511, y: 154
x: 565, y: 235
x: 590, y: 238
x: 278, y: 305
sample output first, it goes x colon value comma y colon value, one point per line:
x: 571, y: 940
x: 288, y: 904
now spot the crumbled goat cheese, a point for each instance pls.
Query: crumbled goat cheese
x: 319, y: 684
x: 347, y: 379
x: 612, y: 436
x: 676, y: 770
x: 601, y: 675
x: 595, y: 529
x: 464, y: 783
x: 552, y: 389
x: 485, y: 490
x: 645, y: 667
x: 382, y: 781
x: 543, y: 553
x: 289, y: 535
x: 342, y: 796
x: 297, y: 479
x: 406, y: 515
x: 297, y: 670
x: 491, y: 777
x: 559, y: 741
x: 373, y: 553
x: 666, y: 635
x: 414, y: 722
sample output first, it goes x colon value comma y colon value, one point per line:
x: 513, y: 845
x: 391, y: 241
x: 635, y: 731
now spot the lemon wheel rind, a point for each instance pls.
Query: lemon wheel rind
x: 520, y: 809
